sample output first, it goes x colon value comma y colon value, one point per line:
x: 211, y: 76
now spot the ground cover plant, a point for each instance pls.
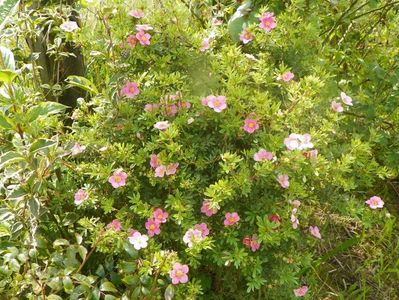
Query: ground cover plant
x: 199, y: 149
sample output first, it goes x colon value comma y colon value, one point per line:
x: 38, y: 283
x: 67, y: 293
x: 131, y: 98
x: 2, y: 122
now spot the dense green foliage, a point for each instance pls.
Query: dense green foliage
x: 54, y: 248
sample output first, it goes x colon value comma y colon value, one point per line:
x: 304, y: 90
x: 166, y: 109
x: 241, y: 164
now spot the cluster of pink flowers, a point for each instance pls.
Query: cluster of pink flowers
x: 250, y: 125
x: 294, y: 218
x: 130, y: 90
x: 252, y: 243
x: 205, y: 209
x: 286, y: 76
x: 301, y: 292
x: 246, y: 36
x: 195, y: 234
x: 142, y: 36
x: 298, y: 141
x: 267, y: 21
x: 283, y: 180
x: 337, y: 106
x: 263, y: 155
x: 205, y: 44
x: 169, y: 105
x: 375, y: 202
x: 80, y: 196
x: 217, y: 103
x: 118, y: 178
x: 161, y: 170
x: 153, y: 225
x: 231, y: 219
x: 178, y: 274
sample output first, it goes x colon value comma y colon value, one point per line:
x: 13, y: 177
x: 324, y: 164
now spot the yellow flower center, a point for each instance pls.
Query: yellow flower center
x: 152, y: 227
x: 247, y: 36
x: 217, y: 103
x: 143, y: 38
x: 132, y: 89
x: 231, y: 219
x: 117, y: 178
x: 251, y: 125
x: 179, y: 273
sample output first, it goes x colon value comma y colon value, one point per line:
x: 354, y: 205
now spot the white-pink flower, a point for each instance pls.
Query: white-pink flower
x: 246, y: 36
x: 80, y: 196
x: 217, y: 103
x: 263, y: 155
x: 337, y: 107
x: 287, y: 76
x: 138, y: 240
x: 375, y: 202
x: 315, y: 231
x: 69, y: 26
x: 162, y: 125
x: 77, y: 149
x: 283, y: 180
x: 135, y: 13
x: 192, y: 236
x: 298, y: 141
x: 346, y: 99
x: 205, y: 44
x: 143, y: 27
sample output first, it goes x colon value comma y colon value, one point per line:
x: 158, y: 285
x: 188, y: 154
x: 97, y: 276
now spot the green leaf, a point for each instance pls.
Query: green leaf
x: 5, y: 10
x: 60, y: 242
x: 107, y: 286
x: 68, y: 284
x: 5, y: 122
x: 169, y: 292
x: 34, y: 207
x: 53, y: 297
x: 10, y: 157
x: 82, y: 251
x: 6, y: 58
x: 81, y: 82
x: 41, y: 144
x: 236, y: 22
x: 45, y: 109
x: 7, y: 76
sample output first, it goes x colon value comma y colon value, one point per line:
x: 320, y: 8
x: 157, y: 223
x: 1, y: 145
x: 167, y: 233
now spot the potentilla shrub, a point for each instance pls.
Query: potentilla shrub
x: 203, y: 164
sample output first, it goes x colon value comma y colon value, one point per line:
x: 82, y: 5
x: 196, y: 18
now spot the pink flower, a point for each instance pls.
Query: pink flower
x: 81, y: 196
x: 131, y: 39
x: 179, y: 273
x: 160, y: 171
x: 296, y: 203
x: 263, y: 155
x: 192, y: 236
x: 151, y: 107
x: 118, y: 179
x: 171, y: 110
x: 250, y: 125
x: 205, y: 44
x: 314, y: 230
x: 135, y: 13
x: 204, y: 101
x: 283, y: 181
x: 311, y: 154
x: 184, y: 104
x: 77, y: 149
x: 154, y: 161
x: 203, y: 228
x: 162, y: 125
x: 246, y: 36
x: 171, y: 169
x: 153, y: 227
x: 115, y: 225
x: 160, y: 216
x: 274, y: 218
x: 337, y: 107
x: 143, y: 27
x: 143, y: 37
x: 205, y: 209
x: 300, y: 292
x: 267, y: 21
x: 375, y: 202
x: 346, y: 99
x: 218, y: 103
x: 69, y: 26
x: 246, y: 241
x: 255, y: 245
x: 190, y: 121
x: 287, y: 76
x: 305, y: 141
x: 130, y: 90
x: 231, y: 219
